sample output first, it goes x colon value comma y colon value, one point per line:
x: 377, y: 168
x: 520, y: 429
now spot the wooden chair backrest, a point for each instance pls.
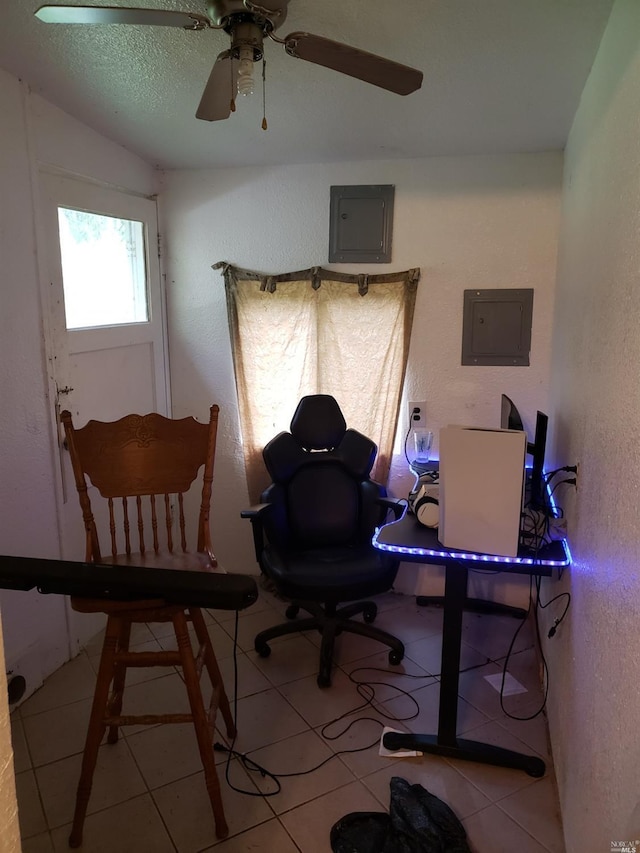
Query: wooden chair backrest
x: 143, y: 465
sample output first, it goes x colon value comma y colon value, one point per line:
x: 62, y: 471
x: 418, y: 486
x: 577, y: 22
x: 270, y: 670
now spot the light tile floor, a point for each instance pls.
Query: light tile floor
x: 149, y: 794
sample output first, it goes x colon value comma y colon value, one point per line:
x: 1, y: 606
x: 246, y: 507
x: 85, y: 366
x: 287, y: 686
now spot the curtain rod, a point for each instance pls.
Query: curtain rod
x: 318, y: 274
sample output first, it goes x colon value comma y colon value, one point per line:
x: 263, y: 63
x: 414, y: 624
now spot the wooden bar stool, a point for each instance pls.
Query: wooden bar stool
x: 140, y: 469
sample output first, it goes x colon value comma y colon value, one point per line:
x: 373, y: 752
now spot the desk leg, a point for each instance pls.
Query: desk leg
x: 445, y: 742
x: 455, y: 593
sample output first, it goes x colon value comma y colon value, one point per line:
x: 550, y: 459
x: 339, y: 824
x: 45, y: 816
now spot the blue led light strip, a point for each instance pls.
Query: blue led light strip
x: 445, y: 554
x: 470, y: 556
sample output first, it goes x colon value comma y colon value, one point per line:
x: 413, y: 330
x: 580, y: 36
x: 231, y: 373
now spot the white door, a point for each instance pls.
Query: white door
x: 104, y: 322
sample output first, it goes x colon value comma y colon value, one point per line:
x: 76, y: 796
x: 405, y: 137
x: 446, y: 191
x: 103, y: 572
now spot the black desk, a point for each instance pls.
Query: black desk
x: 417, y: 544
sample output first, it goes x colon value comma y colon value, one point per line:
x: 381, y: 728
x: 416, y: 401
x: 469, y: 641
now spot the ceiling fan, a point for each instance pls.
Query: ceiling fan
x: 247, y: 23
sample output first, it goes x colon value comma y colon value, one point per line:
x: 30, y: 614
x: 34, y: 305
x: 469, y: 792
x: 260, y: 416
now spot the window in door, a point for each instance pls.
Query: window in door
x: 103, y: 269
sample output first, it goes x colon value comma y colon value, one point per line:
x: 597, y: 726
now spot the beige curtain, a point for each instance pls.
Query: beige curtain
x: 318, y: 332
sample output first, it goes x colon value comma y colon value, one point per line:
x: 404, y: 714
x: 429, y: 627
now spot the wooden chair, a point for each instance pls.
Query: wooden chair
x: 142, y: 466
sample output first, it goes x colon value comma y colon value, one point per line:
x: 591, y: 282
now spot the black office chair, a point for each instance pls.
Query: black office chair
x: 313, y: 529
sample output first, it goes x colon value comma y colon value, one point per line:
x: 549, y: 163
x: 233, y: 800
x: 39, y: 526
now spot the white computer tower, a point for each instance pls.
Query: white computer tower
x: 482, y: 475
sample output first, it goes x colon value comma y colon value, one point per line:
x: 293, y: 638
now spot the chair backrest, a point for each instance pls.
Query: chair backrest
x: 321, y: 493
x: 143, y: 466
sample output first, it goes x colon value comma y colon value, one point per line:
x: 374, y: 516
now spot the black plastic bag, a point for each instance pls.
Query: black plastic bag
x: 418, y: 822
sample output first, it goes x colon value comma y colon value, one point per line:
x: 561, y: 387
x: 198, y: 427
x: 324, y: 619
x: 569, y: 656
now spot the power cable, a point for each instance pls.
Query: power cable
x: 366, y: 689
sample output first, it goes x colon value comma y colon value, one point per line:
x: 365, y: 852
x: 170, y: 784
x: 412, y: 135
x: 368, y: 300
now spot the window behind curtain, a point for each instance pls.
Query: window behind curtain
x: 318, y: 332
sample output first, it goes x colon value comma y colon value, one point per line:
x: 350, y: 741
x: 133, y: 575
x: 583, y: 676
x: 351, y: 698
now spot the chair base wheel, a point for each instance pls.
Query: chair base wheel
x: 369, y: 613
x: 263, y: 649
x: 395, y: 658
x: 292, y: 611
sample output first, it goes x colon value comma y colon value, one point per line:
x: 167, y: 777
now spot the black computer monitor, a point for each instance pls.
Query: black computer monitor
x: 509, y: 415
x: 510, y: 419
x: 537, y: 450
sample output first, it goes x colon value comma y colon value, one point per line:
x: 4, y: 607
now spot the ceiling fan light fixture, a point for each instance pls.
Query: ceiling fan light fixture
x: 247, y: 23
x: 245, y: 71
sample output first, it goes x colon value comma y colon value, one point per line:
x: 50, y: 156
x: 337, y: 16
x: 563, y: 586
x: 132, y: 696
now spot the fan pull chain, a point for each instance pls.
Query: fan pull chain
x: 264, y: 94
x: 232, y: 103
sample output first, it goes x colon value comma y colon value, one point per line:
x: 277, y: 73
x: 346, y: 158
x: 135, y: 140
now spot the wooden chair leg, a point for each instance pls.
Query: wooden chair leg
x: 96, y: 729
x: 213, y: 669
x: 120, y: 674
x: 204, y: 734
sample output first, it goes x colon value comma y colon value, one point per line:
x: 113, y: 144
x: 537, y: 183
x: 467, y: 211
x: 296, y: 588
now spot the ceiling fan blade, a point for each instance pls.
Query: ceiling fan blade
x: 113, y: 15
x: 220, y: 90
x: 373, y: 69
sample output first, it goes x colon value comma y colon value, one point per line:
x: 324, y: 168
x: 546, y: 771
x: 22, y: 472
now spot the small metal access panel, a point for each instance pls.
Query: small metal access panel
x: 497, y: 327
x: 361, y: 224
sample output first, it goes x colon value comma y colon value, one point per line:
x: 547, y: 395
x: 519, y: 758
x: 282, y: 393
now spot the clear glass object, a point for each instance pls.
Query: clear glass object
x: 422, y: 441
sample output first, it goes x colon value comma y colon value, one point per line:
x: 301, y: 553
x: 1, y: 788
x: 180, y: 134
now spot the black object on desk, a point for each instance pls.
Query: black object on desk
x: 414, y: 543
x: 218, y: 591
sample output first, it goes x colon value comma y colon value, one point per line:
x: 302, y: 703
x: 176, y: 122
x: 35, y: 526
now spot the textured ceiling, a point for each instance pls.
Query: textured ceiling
x: 499, y: 76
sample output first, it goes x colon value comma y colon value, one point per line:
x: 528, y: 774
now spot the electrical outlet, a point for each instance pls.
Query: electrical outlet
x: 417, y: 415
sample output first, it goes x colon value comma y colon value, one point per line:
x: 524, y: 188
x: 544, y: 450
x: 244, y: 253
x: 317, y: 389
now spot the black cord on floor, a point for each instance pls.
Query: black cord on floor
x: 366, y: 689
x: 509, y: 653
x: 545, y: 674
x: 253, y: 766
x: 545, y: 669
x: 507, y: 657
x: 558, y: 620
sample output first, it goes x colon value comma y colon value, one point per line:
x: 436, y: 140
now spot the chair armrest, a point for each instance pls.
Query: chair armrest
x: 254, y: 511
x: 397, y: 506
x: 254, y: 514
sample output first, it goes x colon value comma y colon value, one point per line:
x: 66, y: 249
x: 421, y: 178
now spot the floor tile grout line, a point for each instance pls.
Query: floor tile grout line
x: 147, y: 793
x: 524, y: 828
x: 35, y: 779
x: 494, y: 801
x: 312, y: 727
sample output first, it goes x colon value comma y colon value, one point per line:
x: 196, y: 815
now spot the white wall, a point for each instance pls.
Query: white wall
x: 34, y: 134
x: 594, y: 702
x: 485, y: 222
x: 27, y: 497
